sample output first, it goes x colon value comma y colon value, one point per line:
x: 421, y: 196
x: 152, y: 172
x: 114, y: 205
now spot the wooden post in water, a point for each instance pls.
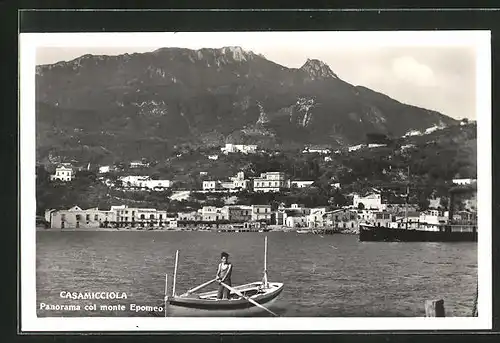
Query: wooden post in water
x: 434, y: 308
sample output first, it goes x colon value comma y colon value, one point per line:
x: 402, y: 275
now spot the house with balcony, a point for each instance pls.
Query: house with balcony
x: 213, y: 214
x: 237, y: 213
x: 261, y: 213
x: 63, y: 173
x: 271, y: 182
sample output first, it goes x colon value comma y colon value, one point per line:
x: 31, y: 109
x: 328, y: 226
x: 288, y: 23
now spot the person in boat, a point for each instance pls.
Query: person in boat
x: 224, y: 275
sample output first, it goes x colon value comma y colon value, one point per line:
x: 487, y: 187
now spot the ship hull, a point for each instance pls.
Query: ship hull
x: 368, y: 233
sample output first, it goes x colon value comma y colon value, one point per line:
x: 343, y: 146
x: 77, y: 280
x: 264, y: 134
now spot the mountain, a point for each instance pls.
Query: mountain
x: 143, y: 105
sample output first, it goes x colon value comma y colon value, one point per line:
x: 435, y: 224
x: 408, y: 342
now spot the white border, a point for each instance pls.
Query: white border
x: 28, y: 45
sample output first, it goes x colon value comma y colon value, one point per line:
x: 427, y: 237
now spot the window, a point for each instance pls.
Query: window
x: 151, y: 216
x: 96, y: 216
x: 142, y: 216
x: 78, y: 217
x: 87, y: 217
x: 63, y: 216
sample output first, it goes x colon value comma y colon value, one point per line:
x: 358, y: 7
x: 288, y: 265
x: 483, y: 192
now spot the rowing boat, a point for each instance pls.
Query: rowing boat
x: 244, y: 300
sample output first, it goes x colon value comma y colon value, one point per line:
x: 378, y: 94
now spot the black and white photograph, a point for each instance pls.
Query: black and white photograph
x: 309, y: 180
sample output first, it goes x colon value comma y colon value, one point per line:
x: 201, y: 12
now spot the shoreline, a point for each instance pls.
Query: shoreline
x: 183, y: 230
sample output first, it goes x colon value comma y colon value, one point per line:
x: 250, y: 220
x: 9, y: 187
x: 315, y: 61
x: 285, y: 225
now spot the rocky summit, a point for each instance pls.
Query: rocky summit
x: 143, y: 104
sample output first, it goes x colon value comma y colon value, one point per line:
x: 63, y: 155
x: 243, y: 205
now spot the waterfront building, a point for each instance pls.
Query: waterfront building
x: 212, y: 213
x: 237, y: 213
x: 341, y: 219
x: 315, y: 217
x: 76, y: 217
x: 261, y: 213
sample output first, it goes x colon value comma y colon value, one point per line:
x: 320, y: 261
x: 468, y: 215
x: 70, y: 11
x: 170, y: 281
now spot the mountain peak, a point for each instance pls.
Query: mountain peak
x: 237, y: 53
x: 318, y: 69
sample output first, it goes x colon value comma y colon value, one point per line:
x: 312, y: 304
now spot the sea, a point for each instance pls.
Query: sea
x: 324, y: 276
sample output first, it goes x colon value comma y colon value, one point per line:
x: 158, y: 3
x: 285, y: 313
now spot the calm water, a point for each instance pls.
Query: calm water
x: 324, y: 276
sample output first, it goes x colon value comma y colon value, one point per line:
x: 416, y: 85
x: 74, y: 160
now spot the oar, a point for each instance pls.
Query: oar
x: 199, y: 287
x: 248, y: 299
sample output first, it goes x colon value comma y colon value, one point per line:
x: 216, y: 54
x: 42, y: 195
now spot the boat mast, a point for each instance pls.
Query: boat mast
x: 265, y: 262
x: 406, y: 199
x: 175, y: 272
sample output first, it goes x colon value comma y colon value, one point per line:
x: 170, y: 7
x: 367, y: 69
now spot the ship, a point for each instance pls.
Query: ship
x: 386, y: 227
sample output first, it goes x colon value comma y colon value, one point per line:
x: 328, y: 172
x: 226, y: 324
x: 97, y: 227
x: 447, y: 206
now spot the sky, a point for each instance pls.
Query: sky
x: 422, y: 70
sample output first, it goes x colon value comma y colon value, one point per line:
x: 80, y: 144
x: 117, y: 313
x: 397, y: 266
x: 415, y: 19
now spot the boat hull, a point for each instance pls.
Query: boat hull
x: 368, y: 233
x: 195, y: 307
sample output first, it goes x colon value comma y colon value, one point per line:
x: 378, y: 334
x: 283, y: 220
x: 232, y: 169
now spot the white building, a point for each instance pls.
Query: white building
x: 63, y: 173
x: 239, y: 148
x: 370, y: 201
x: 212, y: 213
x: 316, y: 151
x: 104, y: 169
x: 373, y: 145
x: 464, y: 181
x: 301, y: 184
x: 315, y: 217
x: 138, y: 164
x: 76, y: 217
x: 145, y: 182
x: 355, y: 147
x: 213, y: 157
x: 271, y: 182
x: 237, y: 182
x: 261, y: 213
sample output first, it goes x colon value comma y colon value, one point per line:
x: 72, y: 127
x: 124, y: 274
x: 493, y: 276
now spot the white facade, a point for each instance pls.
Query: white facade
x: 463, y: 181
x: 373, y: 145
x: 75, y: 217
x: 271, y: 182
x: 237, y: 182
x: 104, y: 169
x: 239, y: 148
x: 355, y: 147
x: 296, y: 221
x: 301, y: 184
x: 63, y: 174
x: 145, y: 182
x: 316, y: 151
x: 137, y: 164
x: 315, y: 218
x: 261, y: 212
x: 371, y: 201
